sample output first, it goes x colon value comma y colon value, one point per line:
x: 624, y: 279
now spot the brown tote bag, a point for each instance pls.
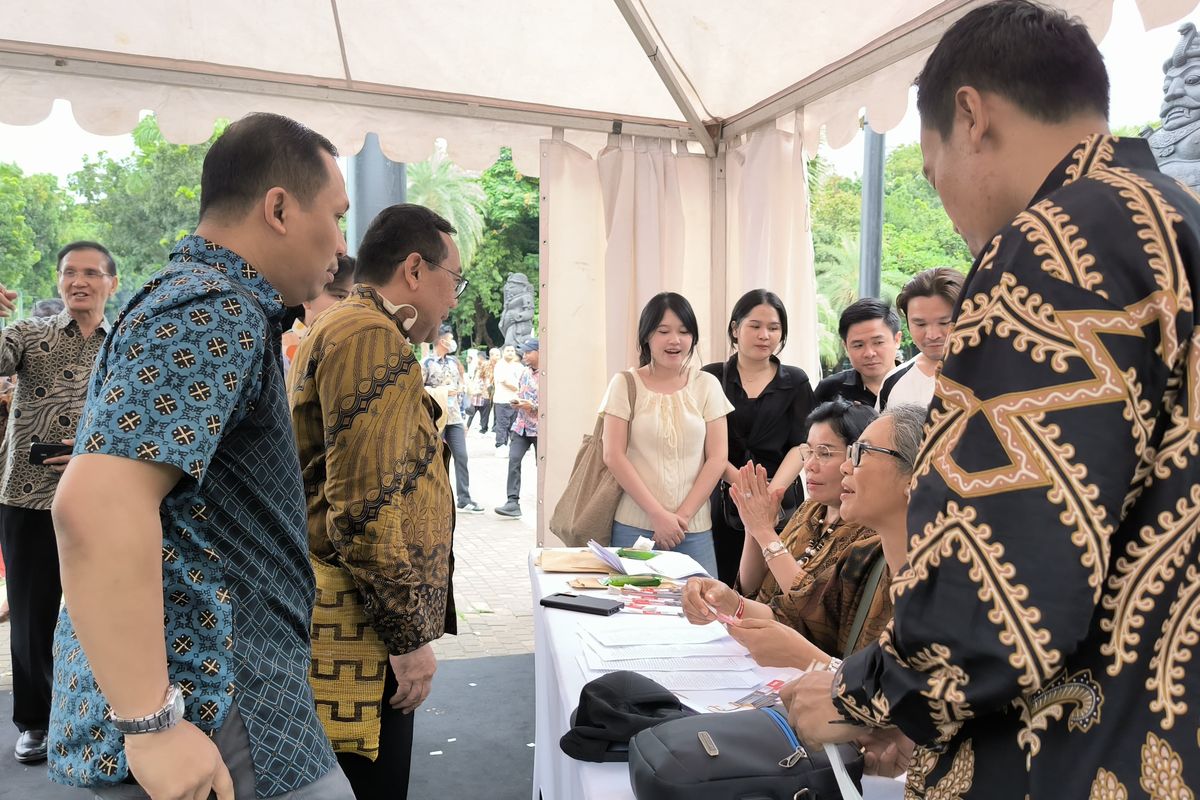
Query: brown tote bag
x: 589, y: 503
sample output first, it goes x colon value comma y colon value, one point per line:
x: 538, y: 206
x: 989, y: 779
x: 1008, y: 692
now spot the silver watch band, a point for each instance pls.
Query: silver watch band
x: 166, y: 717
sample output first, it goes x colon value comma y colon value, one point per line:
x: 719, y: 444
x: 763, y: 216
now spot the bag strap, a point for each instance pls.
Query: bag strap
x: 631, y: 387
x: 864, y: 605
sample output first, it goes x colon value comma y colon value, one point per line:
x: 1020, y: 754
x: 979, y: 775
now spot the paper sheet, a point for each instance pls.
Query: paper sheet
x: 620, y: 635
x: 596, y: 661
x: 719, y: 649
x: 689, y: 681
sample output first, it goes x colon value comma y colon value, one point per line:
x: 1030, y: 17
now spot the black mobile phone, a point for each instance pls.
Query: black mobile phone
x: 40, y: 451
x: 579, y: 602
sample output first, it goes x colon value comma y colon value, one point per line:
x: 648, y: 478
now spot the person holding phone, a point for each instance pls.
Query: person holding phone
x: 52, y: 358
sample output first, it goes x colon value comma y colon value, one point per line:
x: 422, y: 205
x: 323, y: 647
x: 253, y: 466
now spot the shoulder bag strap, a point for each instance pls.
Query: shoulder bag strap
x: 631, y: 386
x: 864, y: 605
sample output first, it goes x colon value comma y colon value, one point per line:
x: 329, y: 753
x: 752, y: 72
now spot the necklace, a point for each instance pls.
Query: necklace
x: 815, y: 544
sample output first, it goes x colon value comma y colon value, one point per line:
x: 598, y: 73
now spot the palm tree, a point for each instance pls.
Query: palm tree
x: 440, y: 184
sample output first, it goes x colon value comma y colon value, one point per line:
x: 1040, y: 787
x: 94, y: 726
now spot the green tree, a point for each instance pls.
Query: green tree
x: 509, y: 244
x: 440, y: 184
x: 145, y: 203
x: 18, y: 251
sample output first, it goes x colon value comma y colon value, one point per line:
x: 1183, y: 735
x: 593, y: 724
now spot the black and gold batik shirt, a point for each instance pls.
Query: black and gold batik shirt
x: 1046, y: 627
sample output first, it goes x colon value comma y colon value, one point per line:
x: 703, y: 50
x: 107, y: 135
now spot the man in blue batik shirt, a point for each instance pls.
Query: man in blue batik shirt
x: 181, y: 658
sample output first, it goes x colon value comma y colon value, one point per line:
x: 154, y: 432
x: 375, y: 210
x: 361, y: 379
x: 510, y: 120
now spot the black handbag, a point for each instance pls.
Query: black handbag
x: 743, y: 755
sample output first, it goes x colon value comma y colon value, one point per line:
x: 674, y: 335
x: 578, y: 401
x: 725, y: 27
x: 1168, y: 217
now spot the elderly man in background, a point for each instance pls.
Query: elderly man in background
x: 52, y: 357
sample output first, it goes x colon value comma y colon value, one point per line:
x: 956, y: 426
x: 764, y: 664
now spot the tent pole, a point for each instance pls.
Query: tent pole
x: 870, y: 250
x: 545, y: 363
x: 719, y: 281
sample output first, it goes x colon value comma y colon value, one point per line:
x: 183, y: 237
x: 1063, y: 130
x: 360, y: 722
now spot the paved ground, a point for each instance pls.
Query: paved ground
x: 491, y: 579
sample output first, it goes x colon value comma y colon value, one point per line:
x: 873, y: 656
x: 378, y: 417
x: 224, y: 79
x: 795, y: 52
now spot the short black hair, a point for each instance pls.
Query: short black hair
x: 394, y: 234
x: 84, y: 244
x: 1036, y: 57
x: 752, y: 300
x: 652, y: 315
x: 257, y: 153
x: 848, y: 420
x: 345, y: 274
x: 865, y: 310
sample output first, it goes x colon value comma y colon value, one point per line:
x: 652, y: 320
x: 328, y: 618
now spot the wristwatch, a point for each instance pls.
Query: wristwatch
x: 166, y: 717
x: 775, y: 548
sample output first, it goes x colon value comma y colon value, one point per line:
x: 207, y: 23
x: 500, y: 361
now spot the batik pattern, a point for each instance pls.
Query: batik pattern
x: 1046, y: 623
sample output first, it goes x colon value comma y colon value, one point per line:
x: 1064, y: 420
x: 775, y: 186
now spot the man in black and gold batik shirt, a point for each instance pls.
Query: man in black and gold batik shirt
x: 380, y: 511
x: 1046, y: 626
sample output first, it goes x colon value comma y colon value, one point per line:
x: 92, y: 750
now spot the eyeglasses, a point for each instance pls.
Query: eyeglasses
x: 70, y: 274
x: 823, y: 453
x: 855, y: 452
x: 460, y: 283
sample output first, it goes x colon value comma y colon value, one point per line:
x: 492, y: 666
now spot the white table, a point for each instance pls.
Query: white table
x: 558, y: 679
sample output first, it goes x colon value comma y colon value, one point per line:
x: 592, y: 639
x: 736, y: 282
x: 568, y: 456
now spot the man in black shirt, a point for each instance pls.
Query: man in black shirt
x: 870, y: 331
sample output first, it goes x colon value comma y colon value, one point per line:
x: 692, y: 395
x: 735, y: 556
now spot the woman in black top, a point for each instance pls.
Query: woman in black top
x: 770, y: 403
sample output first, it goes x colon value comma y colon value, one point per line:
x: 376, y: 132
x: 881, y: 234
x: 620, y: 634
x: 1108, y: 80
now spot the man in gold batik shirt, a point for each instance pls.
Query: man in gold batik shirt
x: 1047, y: 627
x: 380, y: 511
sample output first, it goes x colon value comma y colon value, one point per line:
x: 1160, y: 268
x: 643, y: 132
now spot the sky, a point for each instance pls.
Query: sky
x: 1134, y: 58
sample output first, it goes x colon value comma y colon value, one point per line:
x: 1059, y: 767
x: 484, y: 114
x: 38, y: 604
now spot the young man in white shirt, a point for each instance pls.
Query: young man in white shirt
x: 927, y: 303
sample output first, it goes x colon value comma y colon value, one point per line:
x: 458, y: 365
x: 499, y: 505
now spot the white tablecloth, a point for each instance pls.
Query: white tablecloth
x: 558, y: 679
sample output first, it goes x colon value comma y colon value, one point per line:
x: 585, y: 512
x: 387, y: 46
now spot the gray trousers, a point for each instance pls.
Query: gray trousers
x: 234, y: 745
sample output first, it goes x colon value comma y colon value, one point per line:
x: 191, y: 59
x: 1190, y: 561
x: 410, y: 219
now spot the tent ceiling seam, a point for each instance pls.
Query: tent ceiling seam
x: 666, y: 73
x: 341, y: 39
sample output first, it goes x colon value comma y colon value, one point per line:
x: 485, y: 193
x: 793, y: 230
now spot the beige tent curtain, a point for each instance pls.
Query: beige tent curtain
x: 768, y: 234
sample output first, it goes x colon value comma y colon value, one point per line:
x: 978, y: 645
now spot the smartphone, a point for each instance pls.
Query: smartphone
x: 578, y: 602
x: 40, y: 451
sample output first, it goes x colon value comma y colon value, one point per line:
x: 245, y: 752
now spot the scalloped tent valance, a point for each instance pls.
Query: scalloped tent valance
x: 482, y: 74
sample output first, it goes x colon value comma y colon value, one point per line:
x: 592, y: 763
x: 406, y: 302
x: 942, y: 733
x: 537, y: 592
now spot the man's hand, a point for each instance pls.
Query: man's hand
x: 59, y: 463
x: 414, y: 678
x: 6, y: 301
x: 773, y: 644
x: 178, y: 763
x: 702, y: 595
x: 888, y: 752
x: 811, y: 711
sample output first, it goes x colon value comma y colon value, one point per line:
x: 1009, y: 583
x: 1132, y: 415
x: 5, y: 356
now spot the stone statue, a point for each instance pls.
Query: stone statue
x: 1177, y: 144
x: 516, y: 318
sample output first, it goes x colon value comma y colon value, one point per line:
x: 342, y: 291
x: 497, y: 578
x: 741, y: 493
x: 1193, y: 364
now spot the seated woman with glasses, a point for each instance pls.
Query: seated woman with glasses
x: 816, y: 534
x: 819, y: 623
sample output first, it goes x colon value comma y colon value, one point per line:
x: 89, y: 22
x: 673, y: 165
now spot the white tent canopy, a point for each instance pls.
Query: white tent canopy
x: 669, y: 135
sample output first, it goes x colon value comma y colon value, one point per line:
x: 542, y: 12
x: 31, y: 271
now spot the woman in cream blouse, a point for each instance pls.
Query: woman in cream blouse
x: 668, y: 452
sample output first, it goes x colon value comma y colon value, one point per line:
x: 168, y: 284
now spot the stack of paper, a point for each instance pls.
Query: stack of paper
x: 697, y: 658
x: 668, y: 564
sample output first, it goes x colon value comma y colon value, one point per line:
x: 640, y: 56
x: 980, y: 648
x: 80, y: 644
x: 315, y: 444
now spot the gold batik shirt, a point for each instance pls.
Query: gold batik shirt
x: 375, y: 478
x: 1047, y: 628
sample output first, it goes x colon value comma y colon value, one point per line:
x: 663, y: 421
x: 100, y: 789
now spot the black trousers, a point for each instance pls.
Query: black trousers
x: 385, y: 778
x: 502, y: 422
x: 518, y: 446
x: 727, y: 542
x: 34, y: 595
x: 483, y: 411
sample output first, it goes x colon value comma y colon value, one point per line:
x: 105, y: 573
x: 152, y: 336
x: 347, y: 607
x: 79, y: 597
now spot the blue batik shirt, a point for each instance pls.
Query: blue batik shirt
x: 191, y: 377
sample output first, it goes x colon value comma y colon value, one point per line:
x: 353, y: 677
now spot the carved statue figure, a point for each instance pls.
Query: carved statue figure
x: 1177, y: 144
x: 516, y: 317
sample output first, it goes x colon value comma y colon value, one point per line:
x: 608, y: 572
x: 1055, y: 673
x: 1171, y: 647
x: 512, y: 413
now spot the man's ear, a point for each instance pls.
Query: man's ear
x: 411, y: 268
x: 972, y: 112
x: 275, y: 206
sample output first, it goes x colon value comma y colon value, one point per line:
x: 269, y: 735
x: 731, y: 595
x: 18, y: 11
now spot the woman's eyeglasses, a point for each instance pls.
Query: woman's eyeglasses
x: 855, y: 452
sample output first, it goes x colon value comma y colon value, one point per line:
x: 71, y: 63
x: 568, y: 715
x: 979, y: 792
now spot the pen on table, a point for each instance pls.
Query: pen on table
x: 653, y: 601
